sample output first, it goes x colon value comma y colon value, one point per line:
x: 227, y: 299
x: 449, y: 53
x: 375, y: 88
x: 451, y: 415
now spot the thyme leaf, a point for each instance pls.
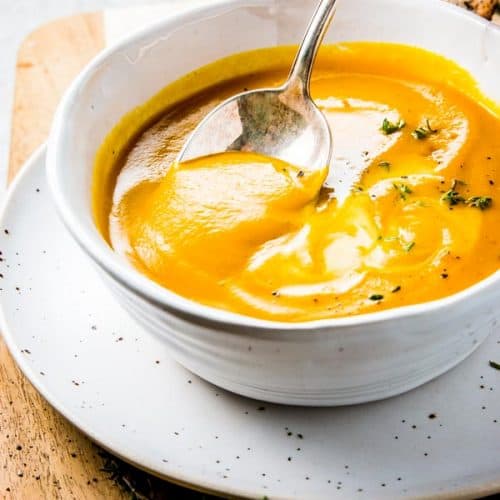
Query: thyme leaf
x: 423, y: 132
x: 389, y: 127
x: 409, y: 246
x: 403, y: 190
x: 481, y: 202
x: 452, y: 197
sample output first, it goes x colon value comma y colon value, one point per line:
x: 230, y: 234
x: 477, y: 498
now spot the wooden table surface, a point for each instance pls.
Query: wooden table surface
x: 43, y: 455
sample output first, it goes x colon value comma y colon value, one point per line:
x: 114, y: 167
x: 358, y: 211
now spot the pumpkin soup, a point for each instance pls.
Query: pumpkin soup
x: 406, y: 213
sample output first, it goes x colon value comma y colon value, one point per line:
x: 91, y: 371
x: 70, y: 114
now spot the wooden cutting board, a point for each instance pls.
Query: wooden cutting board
x: 44, y: 456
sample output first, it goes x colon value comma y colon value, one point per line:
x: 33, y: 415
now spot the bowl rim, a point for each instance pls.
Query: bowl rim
x: 103, y: 255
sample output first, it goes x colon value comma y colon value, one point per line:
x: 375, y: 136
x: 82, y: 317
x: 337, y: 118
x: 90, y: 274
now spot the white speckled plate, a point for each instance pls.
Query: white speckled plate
x: 117, y: 383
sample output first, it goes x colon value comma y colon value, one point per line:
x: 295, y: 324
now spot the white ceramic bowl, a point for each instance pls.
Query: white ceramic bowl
x: 327, y: 362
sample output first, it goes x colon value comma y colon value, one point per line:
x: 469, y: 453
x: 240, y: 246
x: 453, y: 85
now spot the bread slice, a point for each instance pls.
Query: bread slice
x: 484, y: 8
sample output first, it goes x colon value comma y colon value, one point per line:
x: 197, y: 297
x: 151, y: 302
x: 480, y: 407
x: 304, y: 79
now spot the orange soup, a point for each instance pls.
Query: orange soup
x: 407, y: 212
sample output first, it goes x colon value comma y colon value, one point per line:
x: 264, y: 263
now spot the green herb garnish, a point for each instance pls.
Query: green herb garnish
x: 397, y: 289
x: 385, y: 164
x: 452, y: 197
x: 389, y: 127
x: 495, y: 365
x: 376, y: 296
x: 403, y: 190
x: 409, y: 246
x: 481, y: 202
x: 423, y: 132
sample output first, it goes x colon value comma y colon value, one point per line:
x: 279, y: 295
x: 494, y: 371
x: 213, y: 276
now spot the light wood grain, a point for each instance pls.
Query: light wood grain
x: 43, y: 456
x: 48, y: 60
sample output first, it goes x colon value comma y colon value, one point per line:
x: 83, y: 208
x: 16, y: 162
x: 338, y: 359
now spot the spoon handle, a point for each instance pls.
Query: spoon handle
x: 300, y: 75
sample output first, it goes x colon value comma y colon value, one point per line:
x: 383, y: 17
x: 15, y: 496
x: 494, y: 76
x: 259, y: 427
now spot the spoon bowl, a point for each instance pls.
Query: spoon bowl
x: 275, y: 122
x: 282, y: 123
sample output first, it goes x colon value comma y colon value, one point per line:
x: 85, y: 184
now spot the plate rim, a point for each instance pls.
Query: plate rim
x: 37, y: 160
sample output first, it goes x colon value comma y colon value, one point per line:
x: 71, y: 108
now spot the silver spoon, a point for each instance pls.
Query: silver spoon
x: 283, y: 122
